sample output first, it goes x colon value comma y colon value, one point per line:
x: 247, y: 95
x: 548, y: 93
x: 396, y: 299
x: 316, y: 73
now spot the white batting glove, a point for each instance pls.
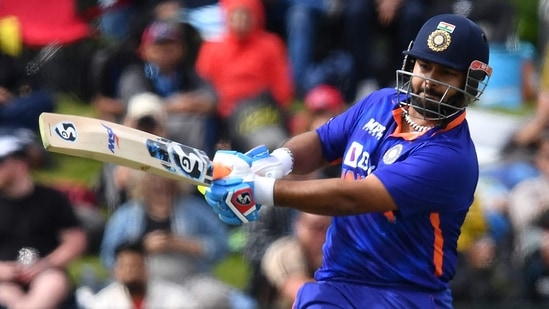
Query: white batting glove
x: 275, y: 165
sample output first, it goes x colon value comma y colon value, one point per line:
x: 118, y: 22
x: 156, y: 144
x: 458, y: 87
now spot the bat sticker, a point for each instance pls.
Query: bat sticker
x: 187, y: 161
x: 180, y: 159
x: 159, y: 150
x: 66, y: 131
x: 113, y: 138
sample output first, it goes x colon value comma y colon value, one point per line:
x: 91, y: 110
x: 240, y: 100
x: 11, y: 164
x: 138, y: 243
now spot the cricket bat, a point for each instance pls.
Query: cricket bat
x: 118, y: 144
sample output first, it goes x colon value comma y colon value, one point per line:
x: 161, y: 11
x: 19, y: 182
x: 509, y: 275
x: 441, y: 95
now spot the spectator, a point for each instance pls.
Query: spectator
x: 273, y: 224
x: 145, y: 112
x: 536, y: 266
x: 181, y: 236
x: 22, y: 97
x: 377, y: 31
x: 132, y: 287
x: 205, y: 16
x: 291, y: 261
x: 122, y: 23
x: 189, y: 101
x: 321, y: 103
x: 315, y: 48
x: 483, y: 276
x: 250, y: 71
x: 528, y: 200
x: 39, y: 235
x: 118, y: 19
x: 528, y: 136
x: 115, y: 18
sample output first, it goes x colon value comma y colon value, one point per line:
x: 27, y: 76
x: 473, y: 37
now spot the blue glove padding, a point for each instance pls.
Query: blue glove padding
x: 232, y: 197
x: 258, y: 153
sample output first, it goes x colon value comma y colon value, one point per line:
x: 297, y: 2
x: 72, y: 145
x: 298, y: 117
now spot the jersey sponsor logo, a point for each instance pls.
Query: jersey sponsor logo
x: 66, y: 131
x: 113, y: 138
x: 392, y: 154
x: 356, y: 157
x: 374, y: 128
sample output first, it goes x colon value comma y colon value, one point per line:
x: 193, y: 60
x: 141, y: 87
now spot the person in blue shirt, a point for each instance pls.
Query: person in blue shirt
x: 180, y: 235
x: 409, y: 173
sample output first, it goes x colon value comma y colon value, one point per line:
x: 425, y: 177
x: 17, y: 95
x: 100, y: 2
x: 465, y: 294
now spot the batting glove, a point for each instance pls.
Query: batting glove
x: 276, y: 165
x: 234, y: 197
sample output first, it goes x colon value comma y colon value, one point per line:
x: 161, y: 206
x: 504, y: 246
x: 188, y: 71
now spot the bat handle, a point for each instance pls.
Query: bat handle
x: 219, y: 171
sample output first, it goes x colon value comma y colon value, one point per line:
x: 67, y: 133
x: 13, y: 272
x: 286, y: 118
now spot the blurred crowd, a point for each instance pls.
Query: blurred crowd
x: 230, y: 74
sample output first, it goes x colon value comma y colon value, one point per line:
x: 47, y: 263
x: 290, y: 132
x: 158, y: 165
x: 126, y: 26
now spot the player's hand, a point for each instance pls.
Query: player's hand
x: 270, y: 164
x: 156, y: 241
x: 29, y: 273
x: 232, y: 196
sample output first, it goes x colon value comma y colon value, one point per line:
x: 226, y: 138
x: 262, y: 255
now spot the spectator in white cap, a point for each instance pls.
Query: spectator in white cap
x: 146, y: 112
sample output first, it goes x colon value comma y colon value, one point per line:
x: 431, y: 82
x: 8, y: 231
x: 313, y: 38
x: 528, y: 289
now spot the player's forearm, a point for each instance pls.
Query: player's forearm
x: 307, y: 152
x: 334, y: 196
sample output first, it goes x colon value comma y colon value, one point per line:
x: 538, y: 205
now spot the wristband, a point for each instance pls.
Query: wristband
x: 264, y: 190
x: 285, y: 156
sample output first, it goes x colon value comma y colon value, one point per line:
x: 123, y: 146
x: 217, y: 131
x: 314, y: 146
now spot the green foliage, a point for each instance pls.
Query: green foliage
x: 233, y: 270
x: 527, y: 23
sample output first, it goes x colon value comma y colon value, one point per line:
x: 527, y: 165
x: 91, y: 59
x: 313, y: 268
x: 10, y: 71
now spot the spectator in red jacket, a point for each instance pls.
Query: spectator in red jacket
x: 247, y: 62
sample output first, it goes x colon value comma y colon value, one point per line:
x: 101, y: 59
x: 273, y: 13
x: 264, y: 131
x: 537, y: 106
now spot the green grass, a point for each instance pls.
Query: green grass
x: 233, y: 271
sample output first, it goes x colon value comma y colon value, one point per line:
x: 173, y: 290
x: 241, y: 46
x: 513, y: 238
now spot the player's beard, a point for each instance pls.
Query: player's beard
x: 136, y: 287
x: 430, y: 104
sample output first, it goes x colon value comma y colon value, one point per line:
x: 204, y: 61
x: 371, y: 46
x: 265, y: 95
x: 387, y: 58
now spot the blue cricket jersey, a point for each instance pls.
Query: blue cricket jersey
x: 431, y: 177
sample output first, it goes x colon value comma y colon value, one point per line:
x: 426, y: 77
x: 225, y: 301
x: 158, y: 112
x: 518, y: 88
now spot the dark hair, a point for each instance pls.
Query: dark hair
x: 130, y: 246
x: 147, y: 124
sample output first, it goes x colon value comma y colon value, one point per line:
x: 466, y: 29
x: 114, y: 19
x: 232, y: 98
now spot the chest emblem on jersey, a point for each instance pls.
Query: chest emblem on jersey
x: 392, y: 154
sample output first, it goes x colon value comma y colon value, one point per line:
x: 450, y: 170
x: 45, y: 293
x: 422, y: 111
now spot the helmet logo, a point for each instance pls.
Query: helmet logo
x: 439, y: 40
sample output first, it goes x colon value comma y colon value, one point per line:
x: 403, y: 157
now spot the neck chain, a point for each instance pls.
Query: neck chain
x: 415, y: 126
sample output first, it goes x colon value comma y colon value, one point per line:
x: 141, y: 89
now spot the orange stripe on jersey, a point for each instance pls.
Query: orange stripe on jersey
x: 348, y: 175
x: 390, y: 215
x: 438, y: 253
x: 397, y: 115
